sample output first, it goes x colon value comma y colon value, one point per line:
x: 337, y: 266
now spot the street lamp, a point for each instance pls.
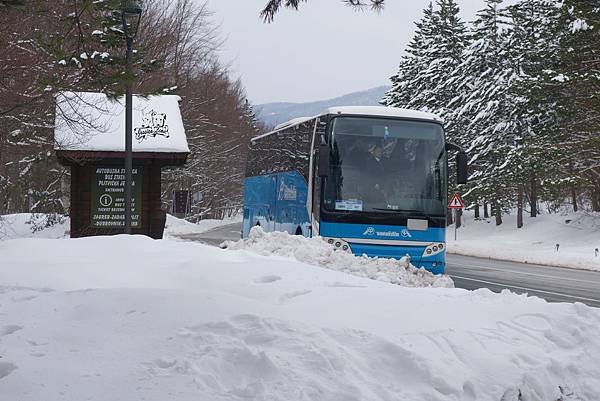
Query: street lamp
x: 131, y: 13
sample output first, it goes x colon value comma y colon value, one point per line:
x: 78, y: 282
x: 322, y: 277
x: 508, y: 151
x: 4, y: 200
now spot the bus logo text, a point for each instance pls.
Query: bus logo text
x: 404, y: 233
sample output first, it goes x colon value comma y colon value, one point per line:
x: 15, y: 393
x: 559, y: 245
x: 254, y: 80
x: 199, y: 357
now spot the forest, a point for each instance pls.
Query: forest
x: 51, y: 45
x: 519, y: 89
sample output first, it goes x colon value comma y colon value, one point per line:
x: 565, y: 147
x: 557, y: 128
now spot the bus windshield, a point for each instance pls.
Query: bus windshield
x: 386, y: 166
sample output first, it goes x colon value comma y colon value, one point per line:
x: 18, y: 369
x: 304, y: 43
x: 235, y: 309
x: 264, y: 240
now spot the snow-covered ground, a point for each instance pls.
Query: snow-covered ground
x: 130, y: 318
x: 21, y: 225
x: 15, y: 226
x: 578, y: 236
x: 175, y: 227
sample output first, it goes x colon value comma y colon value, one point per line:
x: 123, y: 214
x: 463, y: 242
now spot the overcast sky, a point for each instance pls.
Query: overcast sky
x: 324, y: 50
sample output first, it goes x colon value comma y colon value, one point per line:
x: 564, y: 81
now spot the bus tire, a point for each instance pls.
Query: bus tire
x: 299, y: 231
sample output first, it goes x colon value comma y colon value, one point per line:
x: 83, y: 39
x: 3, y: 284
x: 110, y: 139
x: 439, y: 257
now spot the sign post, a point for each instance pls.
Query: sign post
x: 182, y: 202
x: 455, y: 204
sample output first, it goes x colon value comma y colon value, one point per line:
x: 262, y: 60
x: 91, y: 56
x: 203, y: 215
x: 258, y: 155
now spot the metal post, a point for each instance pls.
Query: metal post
x: 128, y: 141
x: 455, y: 222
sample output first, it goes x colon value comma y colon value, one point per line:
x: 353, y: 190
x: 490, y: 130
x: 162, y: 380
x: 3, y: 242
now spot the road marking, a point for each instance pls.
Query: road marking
x: 526, y: 289
x: 462, y: 265
x: 524, y: 265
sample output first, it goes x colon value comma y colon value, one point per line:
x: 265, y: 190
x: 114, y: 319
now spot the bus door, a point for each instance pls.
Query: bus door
x: 271, y: 207
x: 284, y: 208
x: 292, y: 192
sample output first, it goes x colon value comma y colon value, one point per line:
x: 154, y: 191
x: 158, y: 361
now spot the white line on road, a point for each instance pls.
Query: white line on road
x: 526, y: 289
x: 508, y: 270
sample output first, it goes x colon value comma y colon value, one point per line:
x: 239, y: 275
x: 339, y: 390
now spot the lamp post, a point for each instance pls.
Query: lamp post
x: 131, y: 13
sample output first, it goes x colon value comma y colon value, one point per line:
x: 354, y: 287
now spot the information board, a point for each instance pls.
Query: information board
x: 108, y: 197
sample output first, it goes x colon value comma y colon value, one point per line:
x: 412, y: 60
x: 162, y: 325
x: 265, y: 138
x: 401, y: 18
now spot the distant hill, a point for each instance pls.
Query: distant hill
x: 276, y: 113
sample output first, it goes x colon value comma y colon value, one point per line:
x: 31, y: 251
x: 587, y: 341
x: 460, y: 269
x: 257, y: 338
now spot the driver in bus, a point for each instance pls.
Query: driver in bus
x: 375, y: 174
x: 364, y: 171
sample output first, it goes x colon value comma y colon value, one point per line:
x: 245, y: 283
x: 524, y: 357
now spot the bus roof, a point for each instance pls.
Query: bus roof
x: 382, y: 111
x: 375, y: 111
x: 292, y: 122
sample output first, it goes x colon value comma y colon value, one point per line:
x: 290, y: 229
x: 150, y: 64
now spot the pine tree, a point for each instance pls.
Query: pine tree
x: 483, y: 108
x: 446, y: 49
x: 534, y: 47
x: 575, y: 82
x: 408, y: 81
x: 424, y: 80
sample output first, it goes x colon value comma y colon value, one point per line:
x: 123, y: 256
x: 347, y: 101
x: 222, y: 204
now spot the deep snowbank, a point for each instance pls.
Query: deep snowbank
x: 315, y: 251
x: 129, y: 318
x: 578, y: 235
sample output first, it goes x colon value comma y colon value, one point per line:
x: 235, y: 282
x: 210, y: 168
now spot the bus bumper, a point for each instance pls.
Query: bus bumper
x: 435, y: 264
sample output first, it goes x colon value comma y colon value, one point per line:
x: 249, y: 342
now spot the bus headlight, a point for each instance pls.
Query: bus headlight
x: 433, y: 249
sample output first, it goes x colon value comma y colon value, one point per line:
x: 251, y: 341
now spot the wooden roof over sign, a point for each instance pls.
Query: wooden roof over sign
x: 92, y: 126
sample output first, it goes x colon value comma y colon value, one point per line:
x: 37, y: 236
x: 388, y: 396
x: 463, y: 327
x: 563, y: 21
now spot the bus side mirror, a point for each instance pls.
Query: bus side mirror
x: 462, y: 174
x: 323, y: 160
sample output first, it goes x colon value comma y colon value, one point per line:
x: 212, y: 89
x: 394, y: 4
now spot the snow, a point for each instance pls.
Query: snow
x: 292, y: 122
x: 14, y: 226
x: 101, y: 124
x: 579, y: 25
x: 130, y: 318
x: 560, y: 78
x: 315, y: 251
x: 20, y: 225
x: 576, y: 234
x: 176, y: 227
x: 382, y: 111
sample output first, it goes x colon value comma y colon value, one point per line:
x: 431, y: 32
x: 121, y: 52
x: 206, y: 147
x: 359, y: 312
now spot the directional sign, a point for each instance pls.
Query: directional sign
x: 108, y: 197
x: 456, y: 203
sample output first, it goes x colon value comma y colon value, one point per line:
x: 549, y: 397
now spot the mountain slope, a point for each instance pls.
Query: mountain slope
x: 277, y: 113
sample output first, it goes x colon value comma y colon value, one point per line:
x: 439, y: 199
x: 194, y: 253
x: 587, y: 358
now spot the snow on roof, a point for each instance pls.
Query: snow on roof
x: 383, y: 112
x: 87, y: 121
x: 292, y: 122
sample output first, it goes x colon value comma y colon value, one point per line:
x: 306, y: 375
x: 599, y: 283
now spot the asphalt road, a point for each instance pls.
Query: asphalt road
x: 217, y: 235
x: 555, y: 284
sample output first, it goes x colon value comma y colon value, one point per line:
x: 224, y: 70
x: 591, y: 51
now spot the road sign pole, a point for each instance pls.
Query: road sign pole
x: 455, y: 222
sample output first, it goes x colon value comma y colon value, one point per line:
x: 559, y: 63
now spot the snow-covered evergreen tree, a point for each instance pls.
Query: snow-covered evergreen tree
x: 534, y: 47
x: 408, y: 81
x: 521, y: 93
x: 575, y: 83
x: 483, y: 105
x: 424, y: 79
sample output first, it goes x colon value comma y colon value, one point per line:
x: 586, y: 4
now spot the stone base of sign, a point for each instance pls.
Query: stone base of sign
x: 85, y: 168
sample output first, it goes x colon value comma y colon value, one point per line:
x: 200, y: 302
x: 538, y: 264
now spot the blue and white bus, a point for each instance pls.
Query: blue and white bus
x: 369, y: 180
